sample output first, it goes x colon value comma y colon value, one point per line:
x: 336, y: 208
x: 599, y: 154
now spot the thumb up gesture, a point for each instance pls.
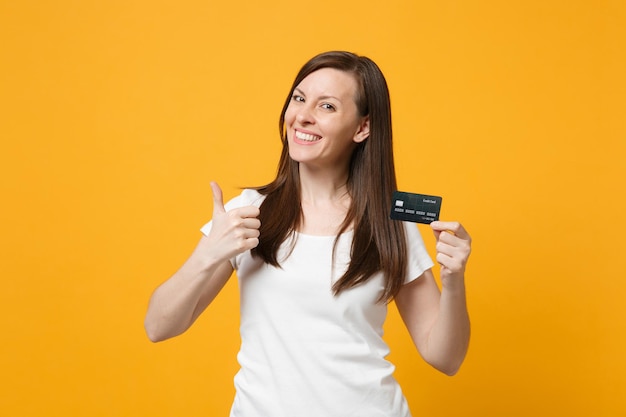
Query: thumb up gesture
x: 232, y: 232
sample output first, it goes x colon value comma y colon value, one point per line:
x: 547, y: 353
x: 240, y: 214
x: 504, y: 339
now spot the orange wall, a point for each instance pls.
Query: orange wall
x: 116, y: 115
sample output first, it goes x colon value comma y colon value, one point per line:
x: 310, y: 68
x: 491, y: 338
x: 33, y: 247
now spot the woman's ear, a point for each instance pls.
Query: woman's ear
x: 363, y: 132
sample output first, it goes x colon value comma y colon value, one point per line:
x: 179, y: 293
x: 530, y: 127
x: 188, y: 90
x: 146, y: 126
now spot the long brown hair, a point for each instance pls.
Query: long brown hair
x: 379, y: 244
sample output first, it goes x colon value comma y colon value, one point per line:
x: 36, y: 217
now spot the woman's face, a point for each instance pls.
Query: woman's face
x: 322, y: 120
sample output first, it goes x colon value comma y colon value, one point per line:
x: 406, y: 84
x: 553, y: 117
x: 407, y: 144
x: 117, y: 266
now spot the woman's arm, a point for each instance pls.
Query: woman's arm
x: 178, y: 302
x: 438, y: 321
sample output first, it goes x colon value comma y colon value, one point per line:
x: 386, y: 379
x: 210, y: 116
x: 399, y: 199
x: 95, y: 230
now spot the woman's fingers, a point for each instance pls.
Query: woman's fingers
x: 453, y: 246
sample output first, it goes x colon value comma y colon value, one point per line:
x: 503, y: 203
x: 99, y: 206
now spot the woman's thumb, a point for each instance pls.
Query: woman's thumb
x: 218, y: 202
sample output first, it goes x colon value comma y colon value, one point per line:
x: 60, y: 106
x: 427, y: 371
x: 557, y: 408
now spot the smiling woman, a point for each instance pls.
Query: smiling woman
x: 323, y: 122
x: 318, y: 259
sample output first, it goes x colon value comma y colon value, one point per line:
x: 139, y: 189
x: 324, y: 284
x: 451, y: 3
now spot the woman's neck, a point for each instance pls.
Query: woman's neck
x: 325, y: 202
x: 323, y: 186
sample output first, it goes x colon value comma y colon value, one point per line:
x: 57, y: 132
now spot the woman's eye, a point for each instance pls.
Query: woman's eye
x: 328, y: 106
x: 296, y: 97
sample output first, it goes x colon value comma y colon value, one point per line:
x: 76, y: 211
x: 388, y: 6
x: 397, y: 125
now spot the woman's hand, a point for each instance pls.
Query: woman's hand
x: 453, y: 250
x: 232, y: 232
x: 178, y: 302
x: 438, y: 320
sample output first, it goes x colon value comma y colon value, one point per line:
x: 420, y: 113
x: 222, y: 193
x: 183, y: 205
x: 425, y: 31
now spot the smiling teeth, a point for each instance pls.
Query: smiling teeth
x: 306, y: 137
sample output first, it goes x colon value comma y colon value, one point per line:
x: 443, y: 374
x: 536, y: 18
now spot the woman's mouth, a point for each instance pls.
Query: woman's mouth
x: 306, y: 137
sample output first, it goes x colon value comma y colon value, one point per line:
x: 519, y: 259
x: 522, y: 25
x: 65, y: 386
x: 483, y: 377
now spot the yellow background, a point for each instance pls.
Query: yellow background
x: 115, y: 115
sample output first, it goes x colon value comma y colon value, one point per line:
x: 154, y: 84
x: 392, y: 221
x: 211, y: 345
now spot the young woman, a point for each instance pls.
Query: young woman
x: 318, y: 260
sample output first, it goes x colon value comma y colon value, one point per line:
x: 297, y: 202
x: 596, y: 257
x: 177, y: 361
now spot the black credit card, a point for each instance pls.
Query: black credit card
x: 418, y: 208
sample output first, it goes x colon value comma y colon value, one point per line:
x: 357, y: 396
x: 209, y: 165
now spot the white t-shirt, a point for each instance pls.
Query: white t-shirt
x: 305, y: 352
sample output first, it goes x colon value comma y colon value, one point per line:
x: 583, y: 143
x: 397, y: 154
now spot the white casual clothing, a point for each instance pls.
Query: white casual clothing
x: 305, y: 352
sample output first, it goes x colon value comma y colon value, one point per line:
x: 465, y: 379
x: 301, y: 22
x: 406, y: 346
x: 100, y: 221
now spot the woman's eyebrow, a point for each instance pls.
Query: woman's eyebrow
x: 324, y: 97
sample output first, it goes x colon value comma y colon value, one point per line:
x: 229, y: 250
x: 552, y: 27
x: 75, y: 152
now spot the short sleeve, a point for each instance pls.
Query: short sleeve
x: 247, y: 197
x: 418, y: 259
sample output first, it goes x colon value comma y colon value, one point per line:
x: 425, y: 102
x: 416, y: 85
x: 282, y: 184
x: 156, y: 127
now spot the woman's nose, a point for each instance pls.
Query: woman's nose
x: 305, y: 115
